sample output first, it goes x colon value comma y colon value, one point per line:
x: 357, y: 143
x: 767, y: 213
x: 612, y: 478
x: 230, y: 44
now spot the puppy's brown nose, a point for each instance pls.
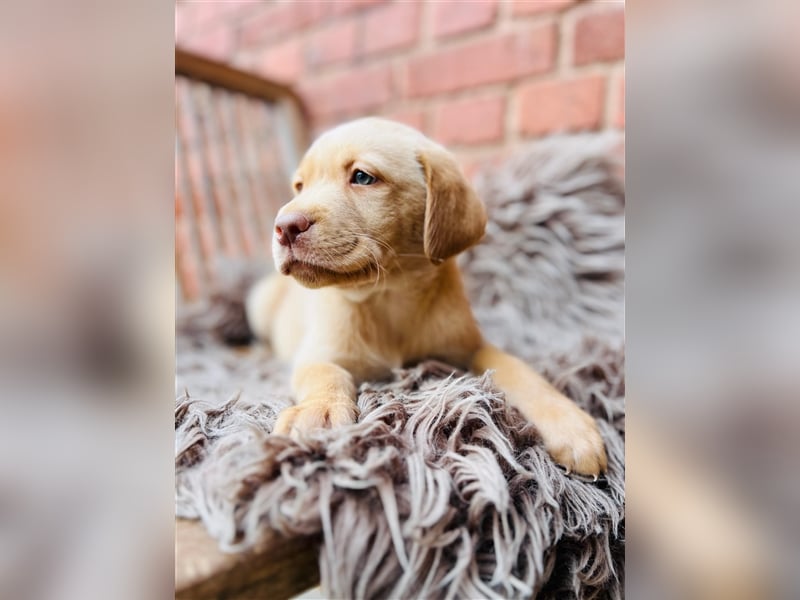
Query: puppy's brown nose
x: 289, y: 226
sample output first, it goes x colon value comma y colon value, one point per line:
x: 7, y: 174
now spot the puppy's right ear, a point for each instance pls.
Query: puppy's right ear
x: 455, y: 218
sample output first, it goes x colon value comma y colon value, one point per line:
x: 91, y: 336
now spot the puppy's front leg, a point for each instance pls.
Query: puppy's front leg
x: 570, y: 435
x: 326, y: 398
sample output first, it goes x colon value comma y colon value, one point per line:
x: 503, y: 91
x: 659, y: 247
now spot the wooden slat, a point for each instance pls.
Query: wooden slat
x: 239, y: 140
x: 276, y: 168
x: 233, y: 79
x: 237, y: 143
x: 258, y: 184
x: 234, y: 167
x: 279, y: 568
x: 195, y: 180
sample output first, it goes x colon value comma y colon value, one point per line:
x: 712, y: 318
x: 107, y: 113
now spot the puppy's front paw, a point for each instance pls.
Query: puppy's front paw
x: 315, y: 414
x: 573, y: 441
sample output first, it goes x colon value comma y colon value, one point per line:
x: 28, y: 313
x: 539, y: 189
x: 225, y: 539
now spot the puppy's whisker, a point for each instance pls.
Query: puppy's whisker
x: 412, y: 256
x: 372, y: 238
x: 384, y: 245
x: 392, y: 254
x: 376, y: 262
x: 379, y: 268
x: 333, y: 260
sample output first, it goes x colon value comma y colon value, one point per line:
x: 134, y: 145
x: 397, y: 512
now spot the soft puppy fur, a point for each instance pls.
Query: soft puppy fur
x: 367, y: 282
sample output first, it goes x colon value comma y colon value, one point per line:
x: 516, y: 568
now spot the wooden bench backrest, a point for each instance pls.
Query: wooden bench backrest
x: 239, y: 137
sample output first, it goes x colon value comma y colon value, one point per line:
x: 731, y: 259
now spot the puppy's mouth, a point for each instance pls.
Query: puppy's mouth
x: 294, y: 266
x: 312, y: 274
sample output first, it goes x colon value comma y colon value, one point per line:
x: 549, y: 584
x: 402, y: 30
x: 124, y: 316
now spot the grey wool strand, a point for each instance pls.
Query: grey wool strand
x: 440, y: 490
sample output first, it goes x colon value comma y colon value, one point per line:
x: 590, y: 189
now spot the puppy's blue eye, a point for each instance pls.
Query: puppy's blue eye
x: 361, y: 178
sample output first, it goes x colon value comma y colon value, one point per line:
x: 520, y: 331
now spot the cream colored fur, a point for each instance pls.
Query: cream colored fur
x: 374, y: 285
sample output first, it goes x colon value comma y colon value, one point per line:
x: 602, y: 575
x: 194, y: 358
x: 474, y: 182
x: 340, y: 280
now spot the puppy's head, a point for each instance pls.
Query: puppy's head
x: 373, y: 197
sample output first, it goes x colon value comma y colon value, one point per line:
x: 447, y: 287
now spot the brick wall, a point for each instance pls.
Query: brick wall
x: 479, y: 76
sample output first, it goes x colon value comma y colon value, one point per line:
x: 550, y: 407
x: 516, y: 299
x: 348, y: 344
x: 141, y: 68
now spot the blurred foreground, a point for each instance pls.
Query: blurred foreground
x: 86, y: 300
x: 713, y: 299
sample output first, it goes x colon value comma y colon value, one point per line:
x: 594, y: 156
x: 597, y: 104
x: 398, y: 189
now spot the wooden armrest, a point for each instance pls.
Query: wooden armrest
x: 279, y: 568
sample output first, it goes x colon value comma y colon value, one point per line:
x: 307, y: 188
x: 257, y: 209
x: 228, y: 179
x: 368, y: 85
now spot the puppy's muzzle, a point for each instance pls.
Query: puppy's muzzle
x: 289, y: 226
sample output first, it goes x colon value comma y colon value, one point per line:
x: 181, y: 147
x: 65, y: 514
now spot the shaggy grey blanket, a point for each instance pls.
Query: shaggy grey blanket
x: 440, y: 490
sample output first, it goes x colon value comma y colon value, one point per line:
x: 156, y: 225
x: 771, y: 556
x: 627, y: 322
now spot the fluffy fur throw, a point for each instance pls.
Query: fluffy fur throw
x: 440, y: 490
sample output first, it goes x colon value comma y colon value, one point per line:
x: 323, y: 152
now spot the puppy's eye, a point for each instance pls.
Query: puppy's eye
x: 361, y: 178
x: 298, y: 186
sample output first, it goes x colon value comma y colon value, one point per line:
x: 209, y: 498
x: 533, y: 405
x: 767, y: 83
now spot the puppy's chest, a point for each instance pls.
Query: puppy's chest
x: 372, y: 338
x: 396, y: 334
x: 388, y: 334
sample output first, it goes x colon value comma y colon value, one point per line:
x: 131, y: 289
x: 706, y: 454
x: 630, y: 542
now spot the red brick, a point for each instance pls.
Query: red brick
x: 356, y: 91
x: 333, y: 44
x: 202, y: 13
x: 280, y: 19
x: 236, y: 9
x: 184, y: 24
x: 471, y: 167
x: 183, y: 10
x: 220, y: 10
x: 535, y: 7
x: 283, y: 62
x: 470, y: 121
x: 471, y: 164
x: 452, y: 18
x: 218, y: 43
x: 391, y: 27
x: 497, y: 59
x: 412, y: 118
x: 553, y: 106
x: 600, y: 37
x: 619, y: 116
x: 341, y: 7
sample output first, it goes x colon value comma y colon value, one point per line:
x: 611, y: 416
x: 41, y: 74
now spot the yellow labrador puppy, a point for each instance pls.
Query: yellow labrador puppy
x: 368, y: 282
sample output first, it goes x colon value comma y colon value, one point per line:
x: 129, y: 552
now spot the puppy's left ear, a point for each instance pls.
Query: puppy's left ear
x: 455, y: 218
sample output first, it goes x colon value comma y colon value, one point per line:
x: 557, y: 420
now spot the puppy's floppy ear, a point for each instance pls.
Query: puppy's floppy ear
x: 455, y: 218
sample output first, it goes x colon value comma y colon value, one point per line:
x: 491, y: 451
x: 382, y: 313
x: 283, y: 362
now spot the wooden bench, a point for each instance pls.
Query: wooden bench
x: 279, y: 568
x: 239, y: 138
